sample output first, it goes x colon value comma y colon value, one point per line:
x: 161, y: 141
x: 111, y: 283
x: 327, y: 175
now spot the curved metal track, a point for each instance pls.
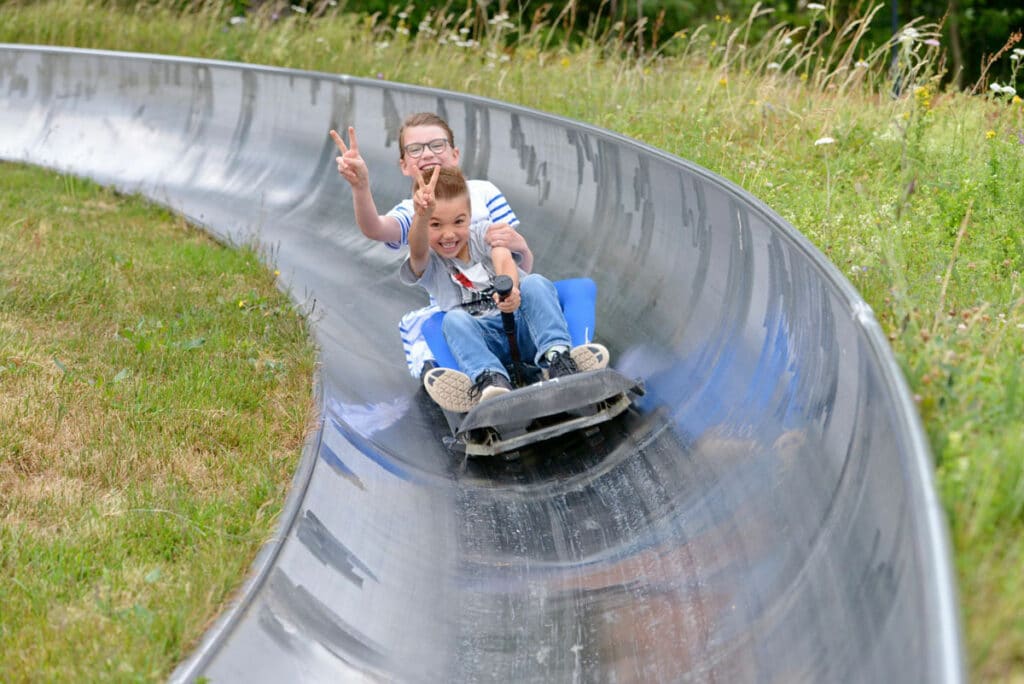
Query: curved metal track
x: 768, y: 514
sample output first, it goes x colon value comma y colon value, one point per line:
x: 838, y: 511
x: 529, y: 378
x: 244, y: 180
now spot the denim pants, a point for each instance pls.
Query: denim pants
x: 479, y: 343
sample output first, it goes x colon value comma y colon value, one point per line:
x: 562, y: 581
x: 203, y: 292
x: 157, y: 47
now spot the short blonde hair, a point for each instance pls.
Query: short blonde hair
x: 451, y: 184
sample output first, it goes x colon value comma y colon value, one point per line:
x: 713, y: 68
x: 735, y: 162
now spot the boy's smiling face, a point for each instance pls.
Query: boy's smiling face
x: 449, y: 228
x: 422, y: 135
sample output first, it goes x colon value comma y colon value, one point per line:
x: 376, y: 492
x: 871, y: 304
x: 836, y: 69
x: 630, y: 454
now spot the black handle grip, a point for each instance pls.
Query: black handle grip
x: 502, y: 284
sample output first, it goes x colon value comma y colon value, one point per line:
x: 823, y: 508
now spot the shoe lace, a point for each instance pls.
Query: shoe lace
x: 483, y: 380
x: 562, y: 364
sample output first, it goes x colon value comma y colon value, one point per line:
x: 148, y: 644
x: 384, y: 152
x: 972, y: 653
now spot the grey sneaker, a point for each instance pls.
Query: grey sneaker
x: 490, y: 384
x: 590, y: 357
x: 450, y: 389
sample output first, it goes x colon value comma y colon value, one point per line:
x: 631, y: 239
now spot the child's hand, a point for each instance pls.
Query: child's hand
x: 504, y: 235
x: 423, y: 200
x: 350, y: 164
x: 511, y: 301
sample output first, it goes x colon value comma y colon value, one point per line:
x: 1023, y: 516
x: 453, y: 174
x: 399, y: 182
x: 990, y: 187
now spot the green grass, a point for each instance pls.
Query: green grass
x: 918, y: 199
x: 149, y: 428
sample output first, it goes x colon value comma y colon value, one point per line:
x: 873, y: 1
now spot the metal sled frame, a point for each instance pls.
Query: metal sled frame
x: 542, y: 411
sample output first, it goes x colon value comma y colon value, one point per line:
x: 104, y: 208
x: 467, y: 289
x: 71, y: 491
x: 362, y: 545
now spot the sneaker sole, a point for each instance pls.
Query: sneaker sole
x: 590, y: 357
x: 449, y: 389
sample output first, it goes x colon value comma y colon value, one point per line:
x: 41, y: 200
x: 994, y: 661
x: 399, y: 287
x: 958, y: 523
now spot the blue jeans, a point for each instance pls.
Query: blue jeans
x: 479, y: 343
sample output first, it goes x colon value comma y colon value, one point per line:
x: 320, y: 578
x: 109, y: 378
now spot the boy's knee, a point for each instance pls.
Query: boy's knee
x: 454, y: 320
x: 534, y: 283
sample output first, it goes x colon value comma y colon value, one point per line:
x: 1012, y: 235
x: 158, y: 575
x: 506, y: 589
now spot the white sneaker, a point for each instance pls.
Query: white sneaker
x: 449, y: 388
x: 590, y: 357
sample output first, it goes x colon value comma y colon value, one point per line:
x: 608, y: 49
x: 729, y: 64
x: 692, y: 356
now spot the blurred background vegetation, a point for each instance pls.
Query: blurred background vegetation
x: 974, y: 32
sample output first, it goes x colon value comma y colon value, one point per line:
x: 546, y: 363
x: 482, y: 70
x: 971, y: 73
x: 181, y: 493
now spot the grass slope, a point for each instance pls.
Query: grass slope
x: 155, y: 388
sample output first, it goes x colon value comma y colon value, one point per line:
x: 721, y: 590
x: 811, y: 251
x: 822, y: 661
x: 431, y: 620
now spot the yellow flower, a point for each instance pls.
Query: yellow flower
x: 989, y: 134
x: 276, y: 273
x: 1016, y: 99
x: 565, y: 62
x: 723, y: 81
x: 241, y: 303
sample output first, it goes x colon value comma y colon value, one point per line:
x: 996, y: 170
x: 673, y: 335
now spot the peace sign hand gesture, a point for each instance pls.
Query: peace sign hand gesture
x: 350, y: 163
x: 423, y: 199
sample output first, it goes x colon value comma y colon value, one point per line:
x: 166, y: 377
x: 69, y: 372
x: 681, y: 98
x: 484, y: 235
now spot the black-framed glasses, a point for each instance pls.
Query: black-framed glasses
x: 437, y: 146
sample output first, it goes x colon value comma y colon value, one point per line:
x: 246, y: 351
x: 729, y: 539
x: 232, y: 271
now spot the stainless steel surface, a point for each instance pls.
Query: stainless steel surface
x: 767, y: 515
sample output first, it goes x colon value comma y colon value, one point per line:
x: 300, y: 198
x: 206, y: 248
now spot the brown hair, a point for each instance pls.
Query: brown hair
x: 423, y: 119
x: 451, y: 184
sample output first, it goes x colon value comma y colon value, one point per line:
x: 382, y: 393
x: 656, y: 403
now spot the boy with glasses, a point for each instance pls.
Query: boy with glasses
x: 425, y: 141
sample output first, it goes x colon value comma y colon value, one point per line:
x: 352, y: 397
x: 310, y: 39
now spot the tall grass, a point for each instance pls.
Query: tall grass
x: 911, y: 190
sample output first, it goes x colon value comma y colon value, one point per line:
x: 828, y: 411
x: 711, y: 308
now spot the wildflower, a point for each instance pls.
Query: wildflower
x: 298, y: 8
x: 996, y: 88
x: 773, y: 66
x: 824, y: 141
x: 786, y: 40
x: 723, y: 81
x: 932, y: 42
x: 861, y: 64
x: 909, y: 35
x: 403, y: 15
x: 1016, y: 99
x: 1009, y: 90
x: 923, y: 95
x: 815, y: 6
x: 276, y: 272
x: 235, y: 21
x: 241, y: 303
x: 565, y: 62
x: 989, y: 134
x: 1014, y: 57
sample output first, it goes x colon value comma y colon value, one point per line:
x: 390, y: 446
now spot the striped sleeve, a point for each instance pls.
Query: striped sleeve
x: 499, y: 209
x: 403, y: 214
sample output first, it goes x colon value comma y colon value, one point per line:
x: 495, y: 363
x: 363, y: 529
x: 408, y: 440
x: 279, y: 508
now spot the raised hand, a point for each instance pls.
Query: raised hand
x: 350, y: 163
x: 423, y: 199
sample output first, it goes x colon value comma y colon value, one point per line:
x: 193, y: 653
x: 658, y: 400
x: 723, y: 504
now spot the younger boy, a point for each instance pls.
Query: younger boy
x: 425, y: 141
x: 450, y: 259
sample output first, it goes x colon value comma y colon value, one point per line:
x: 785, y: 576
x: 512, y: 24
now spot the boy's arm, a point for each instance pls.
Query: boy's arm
x: 505, y: 225
x: 504, y: 235
x: 353, y: 168
x: 419, y: 239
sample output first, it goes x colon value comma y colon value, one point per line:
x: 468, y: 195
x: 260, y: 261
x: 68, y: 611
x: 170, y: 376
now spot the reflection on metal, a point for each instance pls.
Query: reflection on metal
x: 767, y: 514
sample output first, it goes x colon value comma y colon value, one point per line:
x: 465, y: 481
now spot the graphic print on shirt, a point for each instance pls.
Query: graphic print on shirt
x: 474, y: 285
